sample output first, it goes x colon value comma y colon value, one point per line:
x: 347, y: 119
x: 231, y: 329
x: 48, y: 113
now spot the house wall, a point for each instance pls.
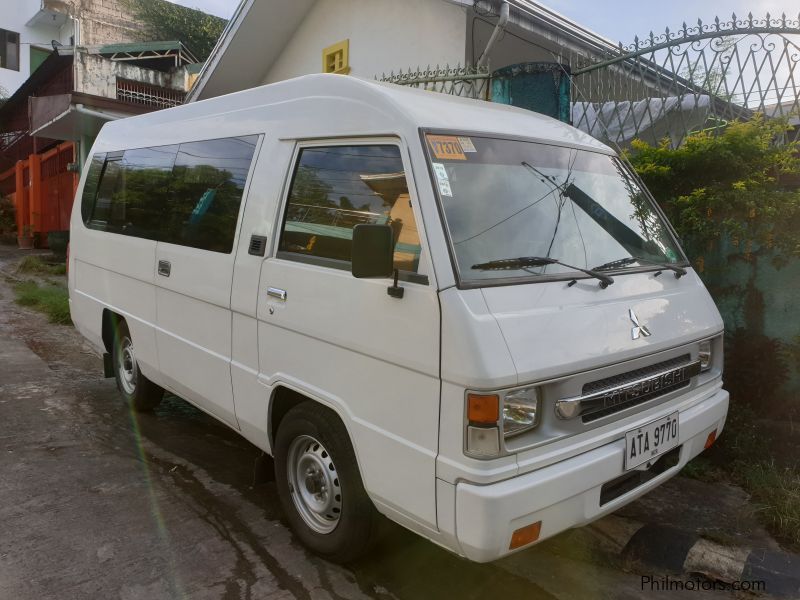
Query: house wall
x: 106, y: 22
x: 98, y: 76
x: 14, y: 15
x: 101, y: 22
x: 384, y: 35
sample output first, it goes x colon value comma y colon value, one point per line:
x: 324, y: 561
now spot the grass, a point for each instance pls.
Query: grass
x: 34, y: 265
x: 744, y: 456
x: 50, y: 299
x: 776, y: 492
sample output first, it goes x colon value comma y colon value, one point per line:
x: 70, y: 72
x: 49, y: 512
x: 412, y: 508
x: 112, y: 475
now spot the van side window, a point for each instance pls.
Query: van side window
x: 206, y: 191
x: 90, y: 187
x: 132, y: 192
x: 335, y: 188
x: 106, y: 191
x: 187, y: 194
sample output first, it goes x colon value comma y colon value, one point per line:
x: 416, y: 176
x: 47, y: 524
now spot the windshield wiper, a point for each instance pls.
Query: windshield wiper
x: 523, y: 262
x: 622, y: 262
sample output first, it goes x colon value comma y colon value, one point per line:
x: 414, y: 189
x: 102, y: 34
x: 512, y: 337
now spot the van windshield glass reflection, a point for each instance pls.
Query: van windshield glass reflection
x: 507, y: 199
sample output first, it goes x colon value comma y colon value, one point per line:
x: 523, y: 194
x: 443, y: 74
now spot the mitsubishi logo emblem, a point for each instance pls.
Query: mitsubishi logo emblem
x: 639, y: 329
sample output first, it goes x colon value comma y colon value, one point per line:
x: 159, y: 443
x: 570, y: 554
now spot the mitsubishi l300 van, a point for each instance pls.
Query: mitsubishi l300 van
x: 467, y: 317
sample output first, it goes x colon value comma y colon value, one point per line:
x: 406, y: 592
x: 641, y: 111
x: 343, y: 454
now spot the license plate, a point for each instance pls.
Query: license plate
x: 649, y: 441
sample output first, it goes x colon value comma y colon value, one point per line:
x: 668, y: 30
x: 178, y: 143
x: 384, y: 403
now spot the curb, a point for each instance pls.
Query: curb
x: 688, y: 553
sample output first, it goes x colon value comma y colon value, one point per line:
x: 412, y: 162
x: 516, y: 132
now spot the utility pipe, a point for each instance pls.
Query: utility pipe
x: 501, y: 24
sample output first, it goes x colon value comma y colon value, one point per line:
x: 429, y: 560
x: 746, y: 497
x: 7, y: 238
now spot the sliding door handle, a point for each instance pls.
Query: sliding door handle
x: 276, y: 293
x: 164, y: 268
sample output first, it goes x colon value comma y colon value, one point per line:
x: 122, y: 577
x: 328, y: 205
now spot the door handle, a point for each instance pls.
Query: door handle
x: 277, y: 293
x: 164, y: 268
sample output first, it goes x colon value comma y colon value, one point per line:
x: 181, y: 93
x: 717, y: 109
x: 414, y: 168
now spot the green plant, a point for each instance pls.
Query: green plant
x: 163, y: 20
x: 52, y: 300
x: 776, y: 491
x: 35, y: 265
x: 728, y: 185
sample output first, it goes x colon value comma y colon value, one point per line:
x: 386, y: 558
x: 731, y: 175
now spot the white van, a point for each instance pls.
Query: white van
x: 468, y: 317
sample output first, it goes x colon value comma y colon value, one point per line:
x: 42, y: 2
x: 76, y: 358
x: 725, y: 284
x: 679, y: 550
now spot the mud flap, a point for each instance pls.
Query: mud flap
x: 108, y: 366
x: 263, y: 469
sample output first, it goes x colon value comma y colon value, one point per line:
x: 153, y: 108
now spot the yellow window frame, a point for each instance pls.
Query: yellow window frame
x: 336, y: 58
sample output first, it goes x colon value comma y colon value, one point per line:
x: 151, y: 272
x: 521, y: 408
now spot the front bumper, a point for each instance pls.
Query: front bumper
x: 567, y: 493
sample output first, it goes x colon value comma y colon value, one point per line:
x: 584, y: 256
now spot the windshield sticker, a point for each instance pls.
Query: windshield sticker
x: 446, y: 147
x: 466, y: 144
x: 444, y: 188
x: 441, y: 172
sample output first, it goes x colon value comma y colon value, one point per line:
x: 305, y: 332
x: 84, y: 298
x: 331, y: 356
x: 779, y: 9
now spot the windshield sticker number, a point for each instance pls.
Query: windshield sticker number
x: 442, y: 179
x: 446, y: 147
x: 466, y: 144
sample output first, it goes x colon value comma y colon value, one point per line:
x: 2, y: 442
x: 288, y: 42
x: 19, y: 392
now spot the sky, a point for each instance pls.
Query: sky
x: 619, y: 20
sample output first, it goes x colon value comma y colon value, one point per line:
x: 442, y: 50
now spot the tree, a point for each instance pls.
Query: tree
x: 164, y: 21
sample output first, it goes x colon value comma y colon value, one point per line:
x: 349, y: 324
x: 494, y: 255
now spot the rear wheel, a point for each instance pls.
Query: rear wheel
x: 138, y: 391
x: 319, y: 484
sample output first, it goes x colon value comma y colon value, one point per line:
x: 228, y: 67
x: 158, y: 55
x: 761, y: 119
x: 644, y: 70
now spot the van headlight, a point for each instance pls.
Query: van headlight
x: 704, y: 353
x: 492, y: 414
x: 520, y: 411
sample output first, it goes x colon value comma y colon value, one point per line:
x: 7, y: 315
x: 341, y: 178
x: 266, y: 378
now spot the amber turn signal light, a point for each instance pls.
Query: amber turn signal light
x: 483, y: 408
x: 712, y: 437
x: 525, y: 535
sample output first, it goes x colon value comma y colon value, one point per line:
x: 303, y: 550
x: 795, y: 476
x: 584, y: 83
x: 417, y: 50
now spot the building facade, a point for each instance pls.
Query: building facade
x: 72, y: 66
x: 30, y: 29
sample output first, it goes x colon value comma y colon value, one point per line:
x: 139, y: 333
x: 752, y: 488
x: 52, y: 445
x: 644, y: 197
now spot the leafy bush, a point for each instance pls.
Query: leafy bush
x: 199, y: 31
x: 734, y: 184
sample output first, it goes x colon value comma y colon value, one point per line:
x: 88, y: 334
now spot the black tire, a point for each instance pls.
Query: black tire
x: 357, y: 524
x: 137, y: 390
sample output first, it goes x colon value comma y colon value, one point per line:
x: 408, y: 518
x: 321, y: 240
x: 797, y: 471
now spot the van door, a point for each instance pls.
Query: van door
x: 194, y: 266
x: 371, y: 357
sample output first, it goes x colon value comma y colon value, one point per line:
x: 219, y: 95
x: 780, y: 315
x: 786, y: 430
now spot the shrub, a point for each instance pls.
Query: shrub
x: 734, y: 184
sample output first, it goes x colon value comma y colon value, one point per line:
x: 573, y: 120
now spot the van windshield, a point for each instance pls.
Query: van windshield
x: 506, y: 199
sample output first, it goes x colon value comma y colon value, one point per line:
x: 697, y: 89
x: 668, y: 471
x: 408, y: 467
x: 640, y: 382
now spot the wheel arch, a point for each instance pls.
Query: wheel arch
x: 285, y: 396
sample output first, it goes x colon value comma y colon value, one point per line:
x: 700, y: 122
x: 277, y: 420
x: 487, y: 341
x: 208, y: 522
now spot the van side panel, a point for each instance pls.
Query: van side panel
x: 370, y: 357
x: 114, y: 272
x: 194, y: 327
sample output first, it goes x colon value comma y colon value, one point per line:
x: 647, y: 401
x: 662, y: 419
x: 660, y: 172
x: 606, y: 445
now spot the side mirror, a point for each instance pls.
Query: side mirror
x: 372, y: 253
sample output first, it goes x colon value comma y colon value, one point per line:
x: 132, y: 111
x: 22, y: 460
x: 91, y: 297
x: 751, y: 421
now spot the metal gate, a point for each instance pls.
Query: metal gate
x: 698, y: 77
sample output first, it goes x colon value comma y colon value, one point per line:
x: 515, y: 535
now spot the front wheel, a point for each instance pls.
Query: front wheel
x: 319, y: 484
x: 139, y: 392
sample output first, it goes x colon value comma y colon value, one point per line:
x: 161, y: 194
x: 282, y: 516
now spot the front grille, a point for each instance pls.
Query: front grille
x: 615, y: 381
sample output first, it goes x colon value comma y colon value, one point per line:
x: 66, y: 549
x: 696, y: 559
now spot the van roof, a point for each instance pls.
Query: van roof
x: 416, y: 108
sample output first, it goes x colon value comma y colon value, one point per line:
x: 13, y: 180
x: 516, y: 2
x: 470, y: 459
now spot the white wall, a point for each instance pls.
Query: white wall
x: 13, y: 16
x: 384, y: 35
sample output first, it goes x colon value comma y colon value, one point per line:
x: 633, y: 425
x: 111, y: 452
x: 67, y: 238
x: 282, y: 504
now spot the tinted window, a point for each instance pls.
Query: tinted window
x: 133, y: 191
x: 188, y: 194
x: 206, y: 190
x: 90, y: 187
x: 335, y: 188
x: 106, y: 194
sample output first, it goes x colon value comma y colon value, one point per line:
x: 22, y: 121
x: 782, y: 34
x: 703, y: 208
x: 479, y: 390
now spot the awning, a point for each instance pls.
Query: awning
x: 71, y: 116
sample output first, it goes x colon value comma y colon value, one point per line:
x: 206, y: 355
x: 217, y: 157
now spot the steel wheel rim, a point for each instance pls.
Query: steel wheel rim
x: 314, y: 484
x: 126, y: 365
